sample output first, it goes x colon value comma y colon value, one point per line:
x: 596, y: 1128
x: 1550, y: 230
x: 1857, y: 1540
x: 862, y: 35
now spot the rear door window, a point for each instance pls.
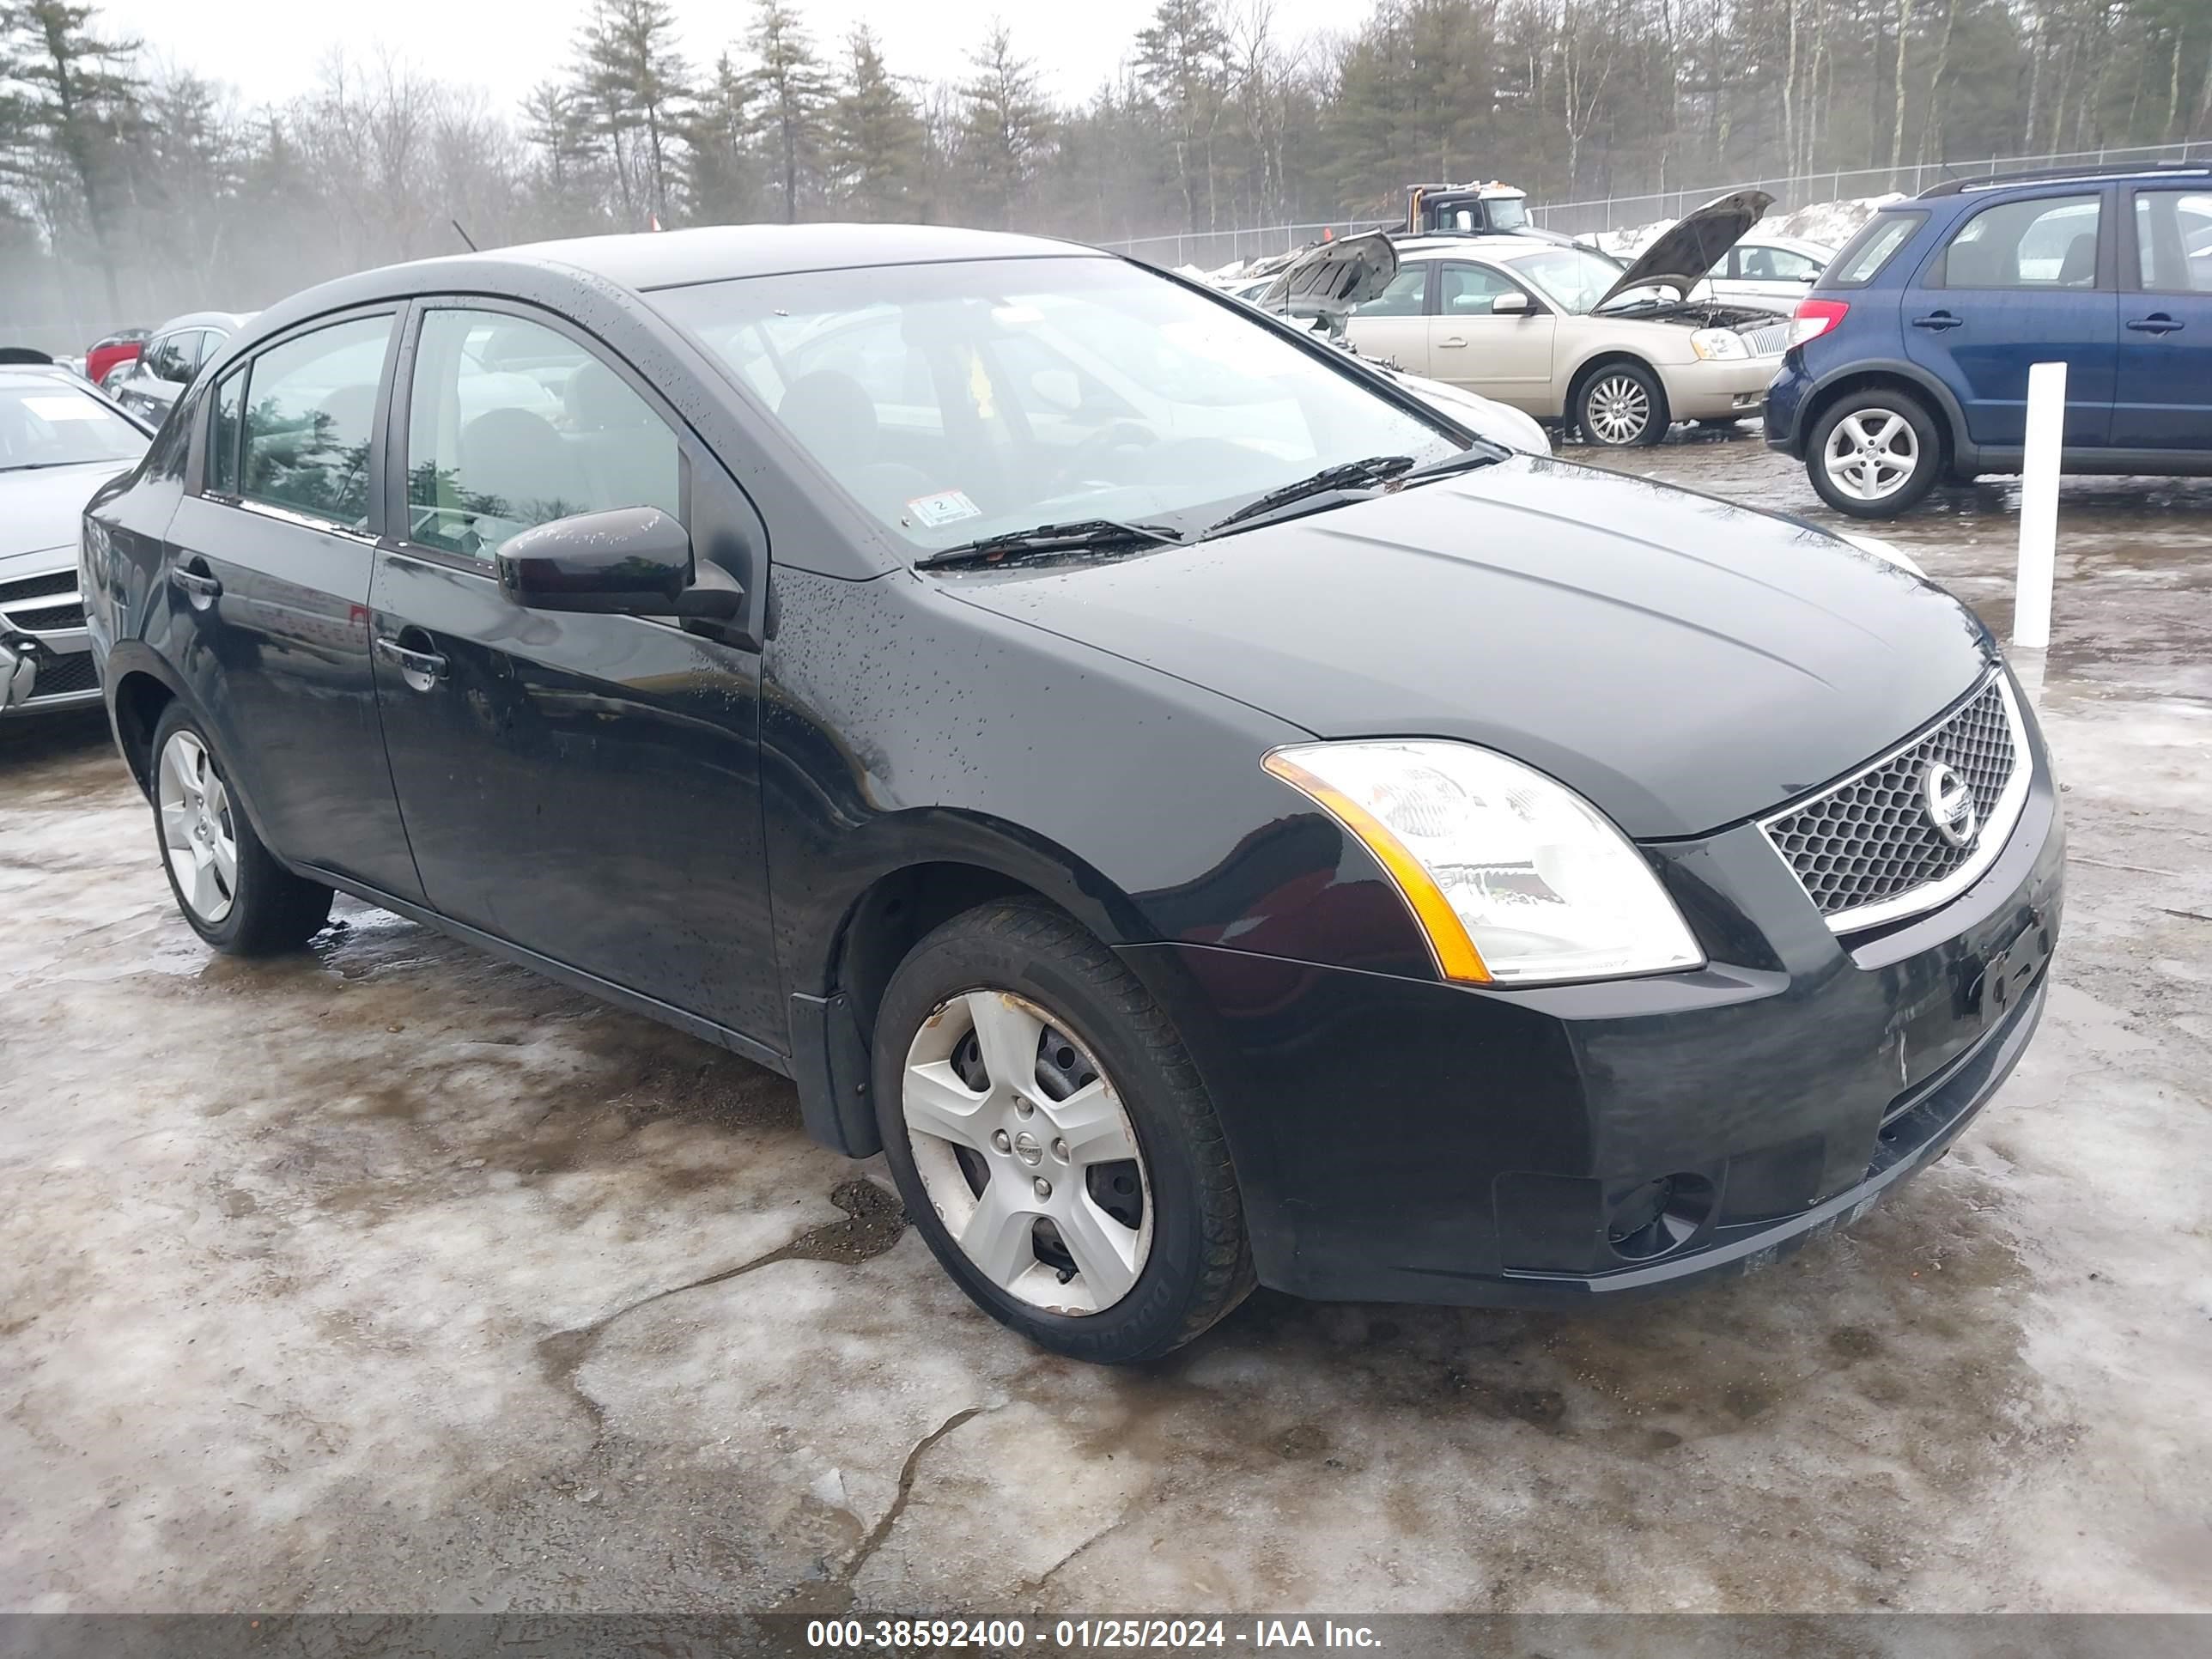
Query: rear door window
x: 222, y: 478
x: 1866, y: 254
x: 511, y: 424
x: 2045, y: 242
x: 310, y: 407
x: 2174, y: 241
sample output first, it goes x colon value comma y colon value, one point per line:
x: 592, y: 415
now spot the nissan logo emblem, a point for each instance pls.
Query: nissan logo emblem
x: 1950, y: 804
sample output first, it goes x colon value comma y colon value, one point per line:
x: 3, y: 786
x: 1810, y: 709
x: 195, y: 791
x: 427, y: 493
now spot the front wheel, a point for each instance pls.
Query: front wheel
x: 1874, y: 454
x: 1621, y: 406
x: 232, y: 891
x: 1050, y: 1137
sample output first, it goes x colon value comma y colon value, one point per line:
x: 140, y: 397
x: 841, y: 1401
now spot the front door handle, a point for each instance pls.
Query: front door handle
x: 1453, y: 340
x: 199, y: 588
x: 2157, y: 323
x: 1938, y: 320
x: 422, y: 669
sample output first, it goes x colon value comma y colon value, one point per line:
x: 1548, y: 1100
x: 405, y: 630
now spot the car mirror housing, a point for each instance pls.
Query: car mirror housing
x: 1509, y: 305
x: 628, y: 560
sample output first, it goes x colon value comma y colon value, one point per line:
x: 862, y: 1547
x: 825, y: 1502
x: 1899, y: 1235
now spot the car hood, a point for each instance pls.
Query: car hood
x: 1687, y: 250
x: 40, y: 507
x: 1333, y: 278
x: 1700, y: 665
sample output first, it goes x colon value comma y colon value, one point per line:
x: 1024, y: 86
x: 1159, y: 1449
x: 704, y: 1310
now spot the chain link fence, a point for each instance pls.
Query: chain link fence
x: 1210, y: 249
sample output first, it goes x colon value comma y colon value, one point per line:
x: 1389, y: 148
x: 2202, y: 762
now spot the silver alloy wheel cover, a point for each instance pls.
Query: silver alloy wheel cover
x: 198, y: 835
x: 1616, y: 409
x: 1053, y: 1144
x: 1871, y: 454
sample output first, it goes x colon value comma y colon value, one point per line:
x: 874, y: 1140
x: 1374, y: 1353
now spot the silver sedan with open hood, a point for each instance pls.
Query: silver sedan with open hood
x: 1568, y: 334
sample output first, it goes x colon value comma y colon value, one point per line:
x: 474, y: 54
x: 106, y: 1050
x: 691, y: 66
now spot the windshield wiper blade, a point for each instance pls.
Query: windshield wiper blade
x: 1350, y: 475
x: 1483, y: 451
x: 1080, y: 536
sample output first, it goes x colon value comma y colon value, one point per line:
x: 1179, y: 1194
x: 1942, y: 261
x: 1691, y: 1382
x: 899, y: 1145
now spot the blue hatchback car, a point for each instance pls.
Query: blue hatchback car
x: 1908, y: 360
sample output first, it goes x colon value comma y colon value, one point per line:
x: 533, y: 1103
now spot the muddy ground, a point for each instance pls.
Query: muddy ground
x: 388, y: 1277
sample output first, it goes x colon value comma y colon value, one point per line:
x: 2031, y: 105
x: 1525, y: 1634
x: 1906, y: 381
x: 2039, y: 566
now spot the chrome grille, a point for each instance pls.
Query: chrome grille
x: 43, y: 619
x: 1767, y: 341
x: 37, y: 587
x: 66, y: 675
x: 1866, y: 851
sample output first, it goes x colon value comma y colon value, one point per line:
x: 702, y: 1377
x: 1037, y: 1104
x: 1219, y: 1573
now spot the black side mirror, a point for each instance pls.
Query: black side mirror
x: 628, y: 561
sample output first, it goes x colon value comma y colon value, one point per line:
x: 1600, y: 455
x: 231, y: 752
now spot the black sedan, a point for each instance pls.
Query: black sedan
x: 1203, y: 817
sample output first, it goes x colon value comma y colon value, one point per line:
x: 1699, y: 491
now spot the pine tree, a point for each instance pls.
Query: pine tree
x: 1005, y: 128
x: 79, y: 94
x: 795, y: 92
x: 718, y: 138
x: 632, y: 76
x: 1182, y: 62
x: 874, y: 139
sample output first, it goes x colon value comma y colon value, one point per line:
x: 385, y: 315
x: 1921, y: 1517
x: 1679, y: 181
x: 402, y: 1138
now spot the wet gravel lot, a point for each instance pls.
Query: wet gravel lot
x: 387, y: 1277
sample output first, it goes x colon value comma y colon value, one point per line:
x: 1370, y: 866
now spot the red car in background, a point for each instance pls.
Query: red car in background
x: 111, y: 352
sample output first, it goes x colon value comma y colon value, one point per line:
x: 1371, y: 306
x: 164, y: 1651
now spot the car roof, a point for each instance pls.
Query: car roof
x: 1795, y: 243
x: 2063, y: 179
x: 1422, y: 247
x: 227, y: 320
x: 707, y: 253
x: 643, y: 261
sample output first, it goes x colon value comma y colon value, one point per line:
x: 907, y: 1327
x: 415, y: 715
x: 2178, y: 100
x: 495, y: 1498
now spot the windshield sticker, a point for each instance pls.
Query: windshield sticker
x: 64, y: 409
x: 946, y: 506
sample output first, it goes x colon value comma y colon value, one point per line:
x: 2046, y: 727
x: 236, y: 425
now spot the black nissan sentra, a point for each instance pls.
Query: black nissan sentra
x: 1206, y: 818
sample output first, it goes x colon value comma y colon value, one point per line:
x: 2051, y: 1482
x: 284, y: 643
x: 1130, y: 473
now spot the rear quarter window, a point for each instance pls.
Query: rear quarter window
x: 1865, y: 255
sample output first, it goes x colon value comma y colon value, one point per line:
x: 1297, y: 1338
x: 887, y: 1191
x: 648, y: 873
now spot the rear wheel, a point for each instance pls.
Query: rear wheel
x: 1621, y: 406
x: 1874, y: 453
x: 235, y: 895
x: 1052, y: 1140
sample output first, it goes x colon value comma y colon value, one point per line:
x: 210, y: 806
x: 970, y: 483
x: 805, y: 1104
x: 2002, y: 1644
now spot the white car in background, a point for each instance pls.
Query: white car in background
x: 1777, y: 270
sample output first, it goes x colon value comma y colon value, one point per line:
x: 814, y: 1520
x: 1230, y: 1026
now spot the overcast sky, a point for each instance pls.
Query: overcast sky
x: 268, y: 49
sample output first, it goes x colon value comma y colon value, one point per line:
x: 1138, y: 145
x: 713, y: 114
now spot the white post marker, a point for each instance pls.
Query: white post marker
x: 2038, y: 507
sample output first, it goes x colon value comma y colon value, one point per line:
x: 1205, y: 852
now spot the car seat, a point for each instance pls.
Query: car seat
x: 831, y: 414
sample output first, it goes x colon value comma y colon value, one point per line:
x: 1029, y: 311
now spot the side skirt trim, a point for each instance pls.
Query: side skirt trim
x: 721, y: 1036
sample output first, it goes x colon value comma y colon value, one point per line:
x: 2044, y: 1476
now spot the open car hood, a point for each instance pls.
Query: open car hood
x: 1330, y: 278
x: 1687, y: 250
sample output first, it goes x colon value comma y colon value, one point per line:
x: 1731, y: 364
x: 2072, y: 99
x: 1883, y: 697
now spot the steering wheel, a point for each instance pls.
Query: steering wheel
x: 1115, y: 436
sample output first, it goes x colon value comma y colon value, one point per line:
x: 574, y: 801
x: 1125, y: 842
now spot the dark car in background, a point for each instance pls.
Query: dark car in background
x: 1910, y: 357
x: 1205, y: 816
x: 60, y: 440
x: 151, y: 384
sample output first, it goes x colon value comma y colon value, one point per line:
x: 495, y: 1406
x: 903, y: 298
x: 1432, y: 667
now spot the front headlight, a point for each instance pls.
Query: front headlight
x: 1513, y: 877
x: 1714, y: 344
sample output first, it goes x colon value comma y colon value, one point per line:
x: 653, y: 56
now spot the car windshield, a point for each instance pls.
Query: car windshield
x: 58, y: 425
x: 1574, y: 279
x: 966, y: 400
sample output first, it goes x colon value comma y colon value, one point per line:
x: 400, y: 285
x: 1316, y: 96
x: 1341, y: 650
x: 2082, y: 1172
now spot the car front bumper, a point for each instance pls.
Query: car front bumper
x: 1718, y: 391
x: 1406, y: 1140
x: 45, y: 674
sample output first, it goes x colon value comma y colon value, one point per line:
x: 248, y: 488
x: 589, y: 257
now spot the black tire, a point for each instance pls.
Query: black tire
x: 270, y: 909
x: 1873, y: 408
x: 1199, y: 1265
x: 1606, y: 395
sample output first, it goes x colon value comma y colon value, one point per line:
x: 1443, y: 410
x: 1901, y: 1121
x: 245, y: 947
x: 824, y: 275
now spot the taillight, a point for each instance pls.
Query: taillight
x: 1815, y: 318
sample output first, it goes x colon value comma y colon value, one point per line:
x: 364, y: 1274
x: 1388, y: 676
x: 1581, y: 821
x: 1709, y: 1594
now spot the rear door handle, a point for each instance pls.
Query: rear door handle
x: 2157, y: 323
x: 421, y: 669
x: 196, y: 585
x: 1455, y: 340
x: 1938, y: 320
